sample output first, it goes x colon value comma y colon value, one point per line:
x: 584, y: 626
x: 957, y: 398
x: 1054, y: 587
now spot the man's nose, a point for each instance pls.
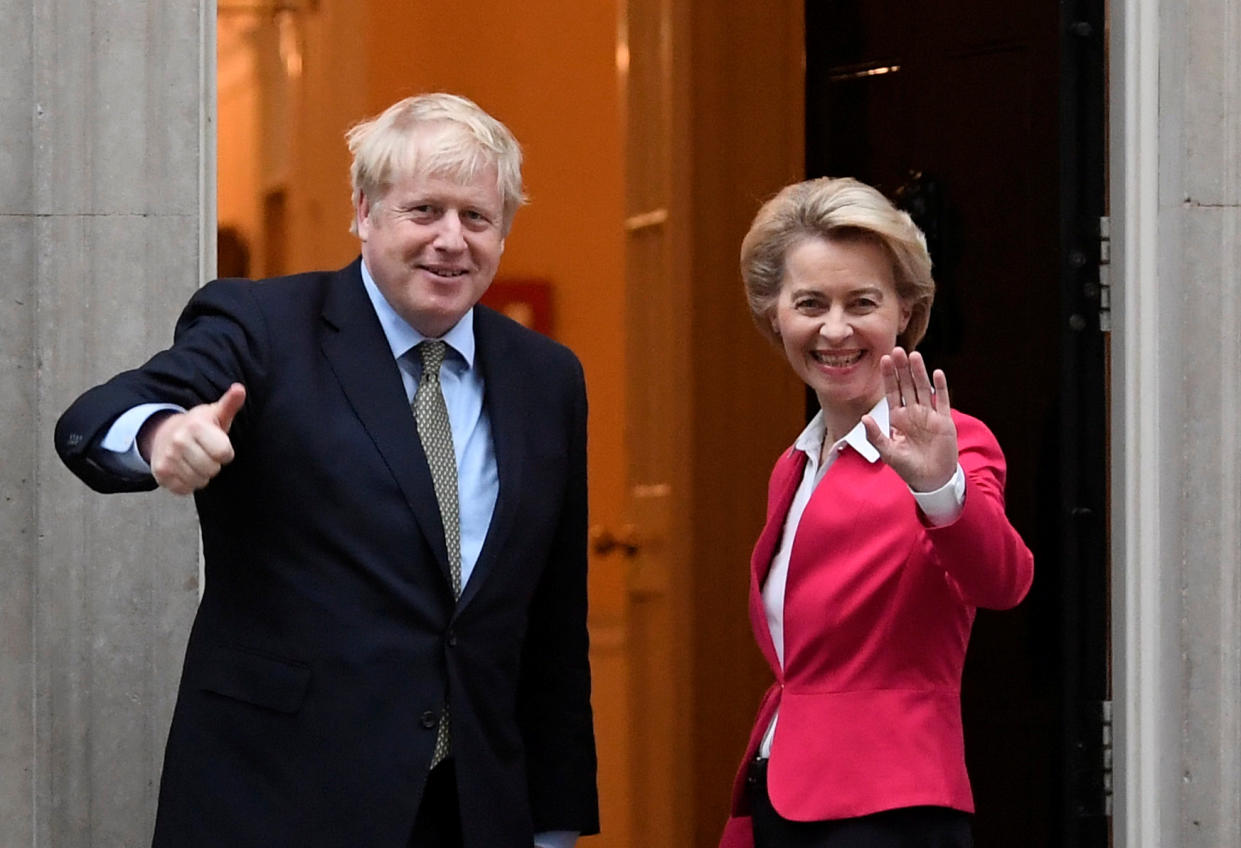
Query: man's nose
x: 450, y: 234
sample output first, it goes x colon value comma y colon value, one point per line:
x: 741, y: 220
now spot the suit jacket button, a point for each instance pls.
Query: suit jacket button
x: 430, y: 719
x: 452, y: 639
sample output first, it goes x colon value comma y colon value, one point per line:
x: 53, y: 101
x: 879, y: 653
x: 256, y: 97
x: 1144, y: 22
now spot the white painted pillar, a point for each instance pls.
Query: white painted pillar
x: 107, y: 196
x: 1176, y: 209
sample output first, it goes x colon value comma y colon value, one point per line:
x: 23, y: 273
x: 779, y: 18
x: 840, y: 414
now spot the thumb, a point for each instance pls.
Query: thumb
x: 226, y: 408
x: 874, y: 435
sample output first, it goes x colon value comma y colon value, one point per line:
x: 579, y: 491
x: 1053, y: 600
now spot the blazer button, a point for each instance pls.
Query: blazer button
x: 451, y: 639
x: 430, y: 719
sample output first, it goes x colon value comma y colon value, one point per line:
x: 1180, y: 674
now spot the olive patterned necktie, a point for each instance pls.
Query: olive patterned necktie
x: 435, y: 433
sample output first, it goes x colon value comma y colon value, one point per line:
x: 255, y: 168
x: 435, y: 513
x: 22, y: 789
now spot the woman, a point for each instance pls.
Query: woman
x: 885, y: 530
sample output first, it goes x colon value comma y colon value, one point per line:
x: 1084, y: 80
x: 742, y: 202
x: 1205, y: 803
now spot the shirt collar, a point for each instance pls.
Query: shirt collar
x: 810, y: 442
x: 402, y: 337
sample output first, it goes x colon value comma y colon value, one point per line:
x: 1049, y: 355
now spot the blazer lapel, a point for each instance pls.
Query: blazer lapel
x: 784, y: 481
x: 505, y: 389
x: 357, y: 351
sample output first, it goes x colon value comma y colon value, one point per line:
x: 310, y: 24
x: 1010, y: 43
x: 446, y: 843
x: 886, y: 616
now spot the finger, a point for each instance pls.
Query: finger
x: 920, y: 379
x: 905, y: 393
x: 200, y: 466
x: 191, y: 454
x: 874, y: 435
x: 215, y: 445
x: 184, y: 460
x: 174, y: 484
x: 942, y: 403
x: 176, y: 475
x: 229, y: 404
x: 891, y: 384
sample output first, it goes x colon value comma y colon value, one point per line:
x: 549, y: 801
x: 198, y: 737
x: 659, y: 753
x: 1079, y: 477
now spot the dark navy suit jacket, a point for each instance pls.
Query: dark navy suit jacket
x: 328, y: 641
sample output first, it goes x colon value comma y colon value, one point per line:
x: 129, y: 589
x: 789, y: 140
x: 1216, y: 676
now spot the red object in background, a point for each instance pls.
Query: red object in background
x: 528, y: 302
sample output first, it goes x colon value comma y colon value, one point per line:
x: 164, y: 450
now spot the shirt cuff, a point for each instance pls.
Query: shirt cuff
x: 556, y: 839
x: 944, y: 505
x: 120, y: 443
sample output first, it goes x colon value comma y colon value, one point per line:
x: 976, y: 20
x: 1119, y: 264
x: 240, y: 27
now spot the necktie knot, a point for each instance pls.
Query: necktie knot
x: 432, y: 354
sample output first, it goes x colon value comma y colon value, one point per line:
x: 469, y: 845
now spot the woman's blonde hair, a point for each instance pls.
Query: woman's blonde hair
x: 832, y: 209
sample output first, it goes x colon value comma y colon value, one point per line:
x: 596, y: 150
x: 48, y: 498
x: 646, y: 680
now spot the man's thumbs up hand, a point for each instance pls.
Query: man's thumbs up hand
x: 187, y: 449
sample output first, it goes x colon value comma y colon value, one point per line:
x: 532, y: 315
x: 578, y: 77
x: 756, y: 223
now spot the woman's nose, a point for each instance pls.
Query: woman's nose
x: 835, y: 326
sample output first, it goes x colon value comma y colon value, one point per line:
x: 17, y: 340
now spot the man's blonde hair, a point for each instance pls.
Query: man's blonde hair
x: 464, y: 141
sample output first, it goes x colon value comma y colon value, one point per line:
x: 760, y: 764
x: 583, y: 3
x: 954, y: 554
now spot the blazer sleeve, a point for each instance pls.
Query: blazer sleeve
x: 554, y: 697
x: 981, y: 551
x: 219, y: 339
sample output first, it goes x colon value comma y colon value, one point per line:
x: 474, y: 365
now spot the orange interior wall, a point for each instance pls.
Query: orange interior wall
x: 550, y: 74
x: 547, y: 69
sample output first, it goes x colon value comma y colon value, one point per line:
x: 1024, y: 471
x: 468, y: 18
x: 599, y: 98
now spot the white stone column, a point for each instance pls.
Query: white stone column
x: 1176, y: 206
x: 106, y: 227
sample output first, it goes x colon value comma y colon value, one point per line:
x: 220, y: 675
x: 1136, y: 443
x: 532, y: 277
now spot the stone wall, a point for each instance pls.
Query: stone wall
x: 1201, y: 199
x: 106, y: 203
x: 1176, y: 380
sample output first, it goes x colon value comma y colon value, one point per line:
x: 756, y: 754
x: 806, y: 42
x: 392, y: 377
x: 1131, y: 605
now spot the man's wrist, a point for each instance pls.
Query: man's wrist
x: 146, y: 433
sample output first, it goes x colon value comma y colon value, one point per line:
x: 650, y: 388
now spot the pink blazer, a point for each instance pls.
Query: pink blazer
x: 877, y: 616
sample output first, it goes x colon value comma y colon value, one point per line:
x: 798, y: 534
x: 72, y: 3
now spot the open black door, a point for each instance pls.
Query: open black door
x: 986, y: 121
x: 1086, y: 801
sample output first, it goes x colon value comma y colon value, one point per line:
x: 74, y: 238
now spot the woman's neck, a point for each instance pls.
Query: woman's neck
x: 838, y: 421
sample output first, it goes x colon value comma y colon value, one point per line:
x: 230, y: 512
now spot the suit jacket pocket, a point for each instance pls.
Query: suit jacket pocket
x: 255, y: 678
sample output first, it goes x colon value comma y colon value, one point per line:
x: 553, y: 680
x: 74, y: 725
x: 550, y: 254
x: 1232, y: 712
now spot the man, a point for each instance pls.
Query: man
x: 391, y: 647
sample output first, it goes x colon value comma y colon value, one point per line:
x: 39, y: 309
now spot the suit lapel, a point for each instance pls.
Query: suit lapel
x: 357, y: 351
x: 506, y: 387
x: 785, y: 479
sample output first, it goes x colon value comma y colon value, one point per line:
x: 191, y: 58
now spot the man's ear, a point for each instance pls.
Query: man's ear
x: 362, y: 215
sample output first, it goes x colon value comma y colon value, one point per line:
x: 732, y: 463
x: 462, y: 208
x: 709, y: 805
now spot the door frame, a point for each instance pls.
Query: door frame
x: 1145, y: 599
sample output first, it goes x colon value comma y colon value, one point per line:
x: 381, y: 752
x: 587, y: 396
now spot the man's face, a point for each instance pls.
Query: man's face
x: 432, y: 245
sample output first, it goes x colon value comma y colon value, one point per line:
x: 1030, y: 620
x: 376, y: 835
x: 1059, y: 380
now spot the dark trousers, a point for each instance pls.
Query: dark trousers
x: 907, y: 827
x: 438, y: 824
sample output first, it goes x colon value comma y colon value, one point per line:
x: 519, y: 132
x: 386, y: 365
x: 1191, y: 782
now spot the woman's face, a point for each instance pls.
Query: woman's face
x: 837, y: 313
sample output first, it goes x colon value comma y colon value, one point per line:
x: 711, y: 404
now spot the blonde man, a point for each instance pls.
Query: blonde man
x: 391, y: 648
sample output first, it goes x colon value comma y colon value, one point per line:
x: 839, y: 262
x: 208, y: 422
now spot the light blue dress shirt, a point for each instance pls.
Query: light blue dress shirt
x: 478, y: 483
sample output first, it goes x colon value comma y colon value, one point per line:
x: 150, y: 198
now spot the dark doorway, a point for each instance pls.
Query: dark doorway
x: 986, y: 121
